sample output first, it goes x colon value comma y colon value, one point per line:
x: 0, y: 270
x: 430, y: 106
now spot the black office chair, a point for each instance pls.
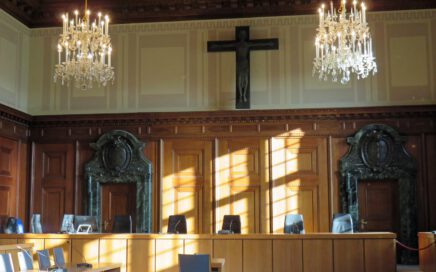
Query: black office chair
x: 194, y: 263
x: 122, y: 224
x: 35, y: 223
x: 294, y: 224
x: 231, y: 224
x: 177, y: 224
x: 342, y: 223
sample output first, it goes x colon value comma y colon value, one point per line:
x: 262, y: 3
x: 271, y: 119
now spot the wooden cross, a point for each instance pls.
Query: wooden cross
x: 242, y: 45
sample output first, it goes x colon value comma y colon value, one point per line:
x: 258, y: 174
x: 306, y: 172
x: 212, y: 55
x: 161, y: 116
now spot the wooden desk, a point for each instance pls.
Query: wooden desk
x: 427, y: 257
x: 96, y: 268
x: 217, y: 264
x: 327, y: 252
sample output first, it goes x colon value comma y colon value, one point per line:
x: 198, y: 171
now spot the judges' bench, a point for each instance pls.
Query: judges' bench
x: 325, y: 252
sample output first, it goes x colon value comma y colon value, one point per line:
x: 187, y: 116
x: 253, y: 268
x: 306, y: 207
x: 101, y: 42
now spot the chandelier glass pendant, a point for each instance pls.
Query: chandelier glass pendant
x: 343, y: 44
x: 84, y: 51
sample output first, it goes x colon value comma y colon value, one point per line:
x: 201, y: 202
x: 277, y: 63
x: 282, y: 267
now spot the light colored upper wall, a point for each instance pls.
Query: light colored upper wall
x: 166, y: 67
x: 14, y: 62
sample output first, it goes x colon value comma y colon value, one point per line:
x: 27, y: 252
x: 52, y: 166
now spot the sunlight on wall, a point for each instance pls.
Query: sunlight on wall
x: 285, y: 198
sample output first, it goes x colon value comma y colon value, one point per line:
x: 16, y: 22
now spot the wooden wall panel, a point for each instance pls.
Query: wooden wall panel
x: 114, y: 251
x: 379, y: 255
x: 85, y: 251
x: 242, y: 185
x: 430, y: 160
x: 140, y: 253
x: 53, y: 208
x: 52, y: 184
x: 167, y: 254
x: 348, y: 255
x: 257, y: 256
x: 339, y: 148
x: 300, y: 182
x: 84, y: 153
x: 187, y: 184
x: 318, y: 256
x: 315, y: 193
x: 414, y: 146
x: 151, y: 152
x: 231, y: 251
x: 288, y: 255
x: 197, y: 246
x: 8, y: 176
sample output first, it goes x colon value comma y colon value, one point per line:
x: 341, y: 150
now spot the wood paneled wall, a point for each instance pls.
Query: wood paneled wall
x: 259, y: 164
x: 13, y: 163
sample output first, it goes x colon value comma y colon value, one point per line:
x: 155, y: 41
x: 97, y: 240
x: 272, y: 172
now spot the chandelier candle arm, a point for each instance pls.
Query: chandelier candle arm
x: 86, y: 46
x: 343, y: 44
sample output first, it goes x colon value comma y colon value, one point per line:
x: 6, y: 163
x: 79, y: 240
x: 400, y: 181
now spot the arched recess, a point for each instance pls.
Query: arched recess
x: 119, y: 158
x: 377, y: 152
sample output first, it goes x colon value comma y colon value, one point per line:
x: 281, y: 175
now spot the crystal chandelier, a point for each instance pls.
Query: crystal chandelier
x: 84, y: 51
x: 343, y: 44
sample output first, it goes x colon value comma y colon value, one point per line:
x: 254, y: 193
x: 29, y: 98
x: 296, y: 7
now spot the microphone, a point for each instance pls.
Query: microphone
x: 230, y: 226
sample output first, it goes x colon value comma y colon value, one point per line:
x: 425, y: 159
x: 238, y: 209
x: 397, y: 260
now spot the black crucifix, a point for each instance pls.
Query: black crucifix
x: 243, y: 45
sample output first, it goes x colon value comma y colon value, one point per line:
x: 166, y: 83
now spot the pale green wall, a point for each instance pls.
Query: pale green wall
x: 14, y: 62
x: 165, y: 67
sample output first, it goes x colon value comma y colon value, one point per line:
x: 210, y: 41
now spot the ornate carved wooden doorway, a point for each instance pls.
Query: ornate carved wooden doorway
x: 119, y: 158
x: 377, y: 152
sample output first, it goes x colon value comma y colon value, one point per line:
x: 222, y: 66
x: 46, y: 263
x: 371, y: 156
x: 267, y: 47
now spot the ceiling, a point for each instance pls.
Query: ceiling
x: 46, y: 13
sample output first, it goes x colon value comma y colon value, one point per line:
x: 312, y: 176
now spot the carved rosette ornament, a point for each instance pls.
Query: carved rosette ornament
x: 119, y: 158
x: 377, y: 152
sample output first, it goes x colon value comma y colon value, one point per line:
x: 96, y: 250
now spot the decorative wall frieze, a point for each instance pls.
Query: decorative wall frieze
x: 339, y: 122
x: 13, y: 123
x: 284, y: 20
x: 332, y: 121
x: 15, y: 116
x: 46, y: 13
